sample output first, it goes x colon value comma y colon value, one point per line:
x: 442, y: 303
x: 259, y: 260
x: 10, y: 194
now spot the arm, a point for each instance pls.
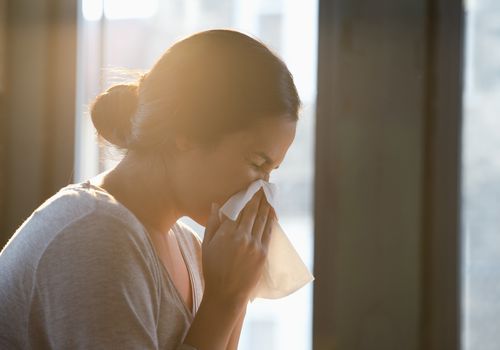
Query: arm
x: 232, y: 262
x: 235, y: 335
x: 212, y: 326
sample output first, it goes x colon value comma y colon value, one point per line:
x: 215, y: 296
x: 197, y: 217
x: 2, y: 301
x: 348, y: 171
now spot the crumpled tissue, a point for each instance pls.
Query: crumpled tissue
x: 284, y: 271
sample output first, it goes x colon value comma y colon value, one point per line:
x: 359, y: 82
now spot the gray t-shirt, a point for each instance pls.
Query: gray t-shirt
x: 82, y: 273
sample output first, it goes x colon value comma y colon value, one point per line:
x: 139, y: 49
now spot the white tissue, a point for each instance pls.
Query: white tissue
x: 284, y: 270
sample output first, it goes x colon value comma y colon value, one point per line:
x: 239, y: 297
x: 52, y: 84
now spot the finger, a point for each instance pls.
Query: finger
x: 260, y: 221
x: 274, y: 213
x: 227, y: 225
x: 213, y: 223
x: 255, y: 197
x: 249, y: 213
x: 266, y: 235
x: 248, y: 207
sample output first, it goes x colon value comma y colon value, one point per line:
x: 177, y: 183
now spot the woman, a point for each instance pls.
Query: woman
x: 105, y: 264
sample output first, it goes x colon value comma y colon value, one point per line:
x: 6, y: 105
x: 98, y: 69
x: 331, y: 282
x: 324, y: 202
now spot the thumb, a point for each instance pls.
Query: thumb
x: 213, y: 224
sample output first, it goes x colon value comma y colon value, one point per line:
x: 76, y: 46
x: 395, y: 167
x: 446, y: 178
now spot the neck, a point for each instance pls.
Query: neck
x: 138, y: 185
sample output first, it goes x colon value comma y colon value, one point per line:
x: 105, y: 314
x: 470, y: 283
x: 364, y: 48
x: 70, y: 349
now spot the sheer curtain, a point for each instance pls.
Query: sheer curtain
x: 481, y: 184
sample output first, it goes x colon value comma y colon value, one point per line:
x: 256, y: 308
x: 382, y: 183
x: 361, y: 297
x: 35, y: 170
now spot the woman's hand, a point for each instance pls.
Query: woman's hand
x: 234, y: 252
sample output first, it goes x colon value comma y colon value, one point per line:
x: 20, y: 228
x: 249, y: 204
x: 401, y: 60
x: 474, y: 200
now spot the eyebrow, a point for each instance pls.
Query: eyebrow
x: 266, y: 158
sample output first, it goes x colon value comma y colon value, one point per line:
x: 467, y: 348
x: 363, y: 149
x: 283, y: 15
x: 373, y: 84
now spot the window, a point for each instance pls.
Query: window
x: 133, y: 34
x: 481, y: 181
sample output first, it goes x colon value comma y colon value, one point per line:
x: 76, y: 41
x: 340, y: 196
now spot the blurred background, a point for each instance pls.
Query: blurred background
x: 390, y: 192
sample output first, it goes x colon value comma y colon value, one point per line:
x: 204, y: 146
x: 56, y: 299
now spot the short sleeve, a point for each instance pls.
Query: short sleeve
x: 95, y: 288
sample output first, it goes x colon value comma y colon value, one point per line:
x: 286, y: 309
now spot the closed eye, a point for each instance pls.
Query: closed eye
x: 260, y: 167
x: 267, y: 159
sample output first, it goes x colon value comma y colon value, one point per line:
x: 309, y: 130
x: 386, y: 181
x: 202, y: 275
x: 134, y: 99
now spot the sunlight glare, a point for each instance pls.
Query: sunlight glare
x: 128, y: 9
x: 92, y: 10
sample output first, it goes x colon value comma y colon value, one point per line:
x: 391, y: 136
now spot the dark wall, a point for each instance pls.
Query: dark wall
x: 387, y: 175
x: 3, y: 144
x: 38, y: 105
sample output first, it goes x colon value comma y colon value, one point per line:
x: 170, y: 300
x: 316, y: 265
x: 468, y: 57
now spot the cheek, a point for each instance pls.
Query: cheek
x: 231, y: 180
x: 217, y: 184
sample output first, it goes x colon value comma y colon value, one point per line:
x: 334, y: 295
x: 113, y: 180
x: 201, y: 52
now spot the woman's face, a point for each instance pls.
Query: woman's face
x: 203, y: 176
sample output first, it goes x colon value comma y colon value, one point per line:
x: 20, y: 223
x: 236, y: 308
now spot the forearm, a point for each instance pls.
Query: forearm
x: 235, y: 335
x: 213, y: 324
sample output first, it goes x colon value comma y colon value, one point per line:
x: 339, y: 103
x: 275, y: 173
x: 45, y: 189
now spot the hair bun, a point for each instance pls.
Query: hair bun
x: 112, y: 112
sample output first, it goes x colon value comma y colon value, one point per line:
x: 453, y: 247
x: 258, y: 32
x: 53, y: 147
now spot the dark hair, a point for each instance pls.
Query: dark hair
x: 204, y: 86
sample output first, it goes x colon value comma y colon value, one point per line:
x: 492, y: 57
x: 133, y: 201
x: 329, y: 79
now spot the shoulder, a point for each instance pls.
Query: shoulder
x: 78, y: 202
x: 97, y: 243
x: 97, y: 226
x: 72, y: 218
